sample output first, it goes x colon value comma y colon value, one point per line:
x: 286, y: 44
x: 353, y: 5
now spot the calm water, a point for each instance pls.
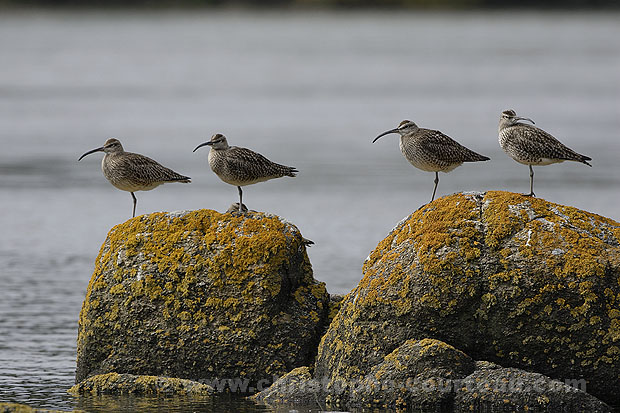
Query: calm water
x: 308, y: 90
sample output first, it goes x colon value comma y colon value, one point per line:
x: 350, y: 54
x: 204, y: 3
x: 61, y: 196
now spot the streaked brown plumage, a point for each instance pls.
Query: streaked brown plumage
x: 430, y: 150
x: 133, y: 172
x: 530, y: 145
x: 241, y: 166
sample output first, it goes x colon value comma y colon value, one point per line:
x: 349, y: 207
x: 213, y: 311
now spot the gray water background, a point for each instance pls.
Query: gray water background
x: 305, y: 89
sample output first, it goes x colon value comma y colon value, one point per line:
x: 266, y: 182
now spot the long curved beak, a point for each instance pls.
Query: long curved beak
x: 91, y: 151
x: 201, y: 145
x: 385, y: 133
x: 527, y: 119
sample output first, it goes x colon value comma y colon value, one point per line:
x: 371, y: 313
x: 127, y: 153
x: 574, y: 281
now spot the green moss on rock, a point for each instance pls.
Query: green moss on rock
x: 503, y: 277
x: 201, y: 295
x: 114, y: 383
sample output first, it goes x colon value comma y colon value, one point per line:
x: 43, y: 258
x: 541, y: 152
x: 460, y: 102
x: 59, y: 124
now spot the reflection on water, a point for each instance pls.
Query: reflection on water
x: 308, y: 90
x: 219, y: 403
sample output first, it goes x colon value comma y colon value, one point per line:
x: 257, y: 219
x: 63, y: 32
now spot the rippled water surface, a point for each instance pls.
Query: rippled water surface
x: 310, y: 90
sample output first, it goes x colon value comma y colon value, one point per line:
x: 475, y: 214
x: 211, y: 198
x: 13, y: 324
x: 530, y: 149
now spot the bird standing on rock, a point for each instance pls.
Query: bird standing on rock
x: 431, y: 150
x: 530, y: 145
x: 240, y: 166
x: 133, y: 172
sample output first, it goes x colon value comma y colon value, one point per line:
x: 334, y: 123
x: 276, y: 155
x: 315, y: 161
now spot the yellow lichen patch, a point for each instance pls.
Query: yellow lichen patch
x: 430, y: 231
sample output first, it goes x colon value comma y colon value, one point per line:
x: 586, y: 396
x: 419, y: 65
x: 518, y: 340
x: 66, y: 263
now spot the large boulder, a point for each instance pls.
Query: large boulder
x: 502, y: 277
x: 201, y: 295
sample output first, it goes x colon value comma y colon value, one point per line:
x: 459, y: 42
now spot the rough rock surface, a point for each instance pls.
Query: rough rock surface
x: 494, y: 389
x: 114, y: 383
x: 418, y: 374
x: 294, y: 388
x: 22, y: 408
x: 201, y: 295
x: 431, y: 376
x: 502, y: 277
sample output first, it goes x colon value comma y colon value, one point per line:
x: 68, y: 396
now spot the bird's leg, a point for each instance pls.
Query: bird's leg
x: 135, y: 201
x: 240, y: 200
x: 531, y: 182
x: 436, y: 182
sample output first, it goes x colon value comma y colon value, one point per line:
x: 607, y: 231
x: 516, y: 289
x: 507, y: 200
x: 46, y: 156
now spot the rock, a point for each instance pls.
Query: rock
x: 510, y: 390
x: 431, y: 376
x: 201, y: 295
x: 114, y: 383
x: 22, y: 408
x: 335, y: 301
x: 234, y: 208
x: 294, y: 388
x: 418, y: 374
x: 502, y: 277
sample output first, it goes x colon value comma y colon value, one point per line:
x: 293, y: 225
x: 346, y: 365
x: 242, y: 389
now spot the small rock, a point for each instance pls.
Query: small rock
x: 114, y: 383
x: 294, y: 388
x: 22, y: 408
x: 511, y: 390
x: 419, y: 374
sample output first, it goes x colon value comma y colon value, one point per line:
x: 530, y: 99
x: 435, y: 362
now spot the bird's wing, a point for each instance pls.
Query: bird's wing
x: 444, y: 148
x: 243, y: 159
x: 537, y: 142
x: 146, y: 169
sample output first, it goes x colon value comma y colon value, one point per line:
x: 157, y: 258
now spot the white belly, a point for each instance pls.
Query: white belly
x: 129, y: 187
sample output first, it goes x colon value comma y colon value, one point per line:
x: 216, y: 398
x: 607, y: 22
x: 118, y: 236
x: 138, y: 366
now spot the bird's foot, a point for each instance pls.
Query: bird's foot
x: 532, y: 194
x: 422, y: 206
x: 234, y: 209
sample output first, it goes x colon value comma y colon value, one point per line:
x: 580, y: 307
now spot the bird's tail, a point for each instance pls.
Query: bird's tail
x: 289, y: 171
x: 182, y: 179
x: 585, y: 159
x: 476, y: 157
x: 577, y: 157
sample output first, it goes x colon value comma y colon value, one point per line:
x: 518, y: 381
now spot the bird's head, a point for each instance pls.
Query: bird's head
x: 404, y: 128
x: 509, y: 117
x: 112, y: 145
x: 217, y: 142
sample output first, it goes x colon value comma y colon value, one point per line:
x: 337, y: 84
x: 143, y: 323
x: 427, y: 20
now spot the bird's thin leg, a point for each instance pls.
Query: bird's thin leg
x: 531, y: 182
x: 436, y: 182
x: 135, y: 201
x: 240, y: 199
